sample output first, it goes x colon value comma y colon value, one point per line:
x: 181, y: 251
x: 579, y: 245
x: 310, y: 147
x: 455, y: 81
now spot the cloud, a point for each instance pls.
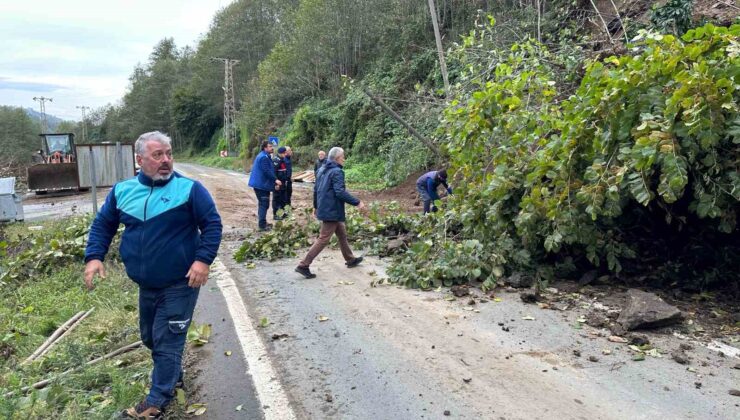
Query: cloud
x: 6, y: 83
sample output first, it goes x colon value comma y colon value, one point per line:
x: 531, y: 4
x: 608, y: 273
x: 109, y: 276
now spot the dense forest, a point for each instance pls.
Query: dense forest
x: 582, y: 133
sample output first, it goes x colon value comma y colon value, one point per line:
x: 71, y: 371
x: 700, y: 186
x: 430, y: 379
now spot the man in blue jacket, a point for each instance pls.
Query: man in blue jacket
x: 427, y: 185
x: 329, y: 197
x: 263, y: 180
x: 172, y: 236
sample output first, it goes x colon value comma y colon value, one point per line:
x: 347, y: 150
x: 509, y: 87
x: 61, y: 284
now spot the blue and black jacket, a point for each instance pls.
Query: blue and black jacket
x: 262, y: 176
x: 169, y: 225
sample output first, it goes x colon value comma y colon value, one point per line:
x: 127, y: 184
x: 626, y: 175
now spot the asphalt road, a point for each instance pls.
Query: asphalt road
x: 346, y: 349
x: 388, y: 353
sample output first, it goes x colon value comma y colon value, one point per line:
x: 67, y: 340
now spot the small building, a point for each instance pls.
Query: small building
x: 11, y: 206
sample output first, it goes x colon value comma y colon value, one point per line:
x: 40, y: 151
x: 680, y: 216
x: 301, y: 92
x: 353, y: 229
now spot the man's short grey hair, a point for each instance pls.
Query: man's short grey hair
x: 335, y: 152
x: 140, y: 146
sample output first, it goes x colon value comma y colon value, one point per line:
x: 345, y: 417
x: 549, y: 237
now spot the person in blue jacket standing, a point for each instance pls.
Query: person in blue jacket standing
x: 427, y: 185
x: 329, y: 198
x: 172, y: 236
x: 264, y: 181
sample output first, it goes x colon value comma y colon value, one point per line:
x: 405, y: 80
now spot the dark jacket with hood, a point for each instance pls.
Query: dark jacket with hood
x: 330, y: 194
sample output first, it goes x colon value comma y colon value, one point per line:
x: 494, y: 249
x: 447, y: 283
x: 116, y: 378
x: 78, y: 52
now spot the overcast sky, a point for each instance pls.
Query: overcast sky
x: 81, y: 52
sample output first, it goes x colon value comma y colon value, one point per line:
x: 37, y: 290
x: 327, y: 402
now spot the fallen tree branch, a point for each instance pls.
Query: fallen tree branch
x: 52, y: 338
x: 606, y: 28
x: 45, y: 382
x: 71, y: 327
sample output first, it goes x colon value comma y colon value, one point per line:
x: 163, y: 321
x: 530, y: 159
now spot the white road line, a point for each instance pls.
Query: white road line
x: 269, y: 389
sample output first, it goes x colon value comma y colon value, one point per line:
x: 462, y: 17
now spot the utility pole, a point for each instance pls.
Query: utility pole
x: 440, y: 51
x: 229, y: 102
x: 84, y: 122
x: 42, y: 107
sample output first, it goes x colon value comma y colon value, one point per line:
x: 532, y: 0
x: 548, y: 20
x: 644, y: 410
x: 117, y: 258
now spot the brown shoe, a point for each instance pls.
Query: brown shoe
x: 143, y: 410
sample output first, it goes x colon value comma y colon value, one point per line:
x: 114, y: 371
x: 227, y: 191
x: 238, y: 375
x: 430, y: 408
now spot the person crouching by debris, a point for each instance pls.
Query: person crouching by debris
x: 172, y: 236
x: 280, y: 196
x: 329, y: 198
x: 427, y: 185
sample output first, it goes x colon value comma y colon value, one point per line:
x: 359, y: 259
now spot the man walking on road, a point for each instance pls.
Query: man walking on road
x: 263, y: 180
x: 172, y: 236
x: 427, y: 185
x: 319, y: 162
x: 329, y: 197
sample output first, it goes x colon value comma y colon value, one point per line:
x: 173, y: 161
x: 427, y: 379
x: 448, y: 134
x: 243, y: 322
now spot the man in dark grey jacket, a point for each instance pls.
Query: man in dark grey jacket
x: 329, y: 198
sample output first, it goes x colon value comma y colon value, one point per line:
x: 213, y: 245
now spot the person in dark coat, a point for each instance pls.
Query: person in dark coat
x: 263, y: 180
x: 280, y: 196
x: 427, y: 185
x: 329, y: 198
x: 319, y: 162
x: 289, y: 184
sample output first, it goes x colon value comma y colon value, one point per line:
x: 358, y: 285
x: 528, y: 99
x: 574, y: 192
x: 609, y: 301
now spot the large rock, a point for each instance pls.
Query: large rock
x: 520, y: 280
x: 646, y: 310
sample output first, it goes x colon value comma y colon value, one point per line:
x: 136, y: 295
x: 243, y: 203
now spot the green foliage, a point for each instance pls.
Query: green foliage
x: 283, y: 240
x: 34, y: 306
x: 18, y: 136
x: 54, y: 246
x: 642, y: 157
x: 368, y: 175
x: 673, y: 17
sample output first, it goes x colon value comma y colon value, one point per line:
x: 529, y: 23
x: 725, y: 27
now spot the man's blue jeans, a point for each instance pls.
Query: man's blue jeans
x: 263, y: 202
x: 164, y: 318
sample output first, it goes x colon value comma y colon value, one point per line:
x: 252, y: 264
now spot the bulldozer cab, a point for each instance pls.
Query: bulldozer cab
x: 58, y: 169
x: 59, y: 148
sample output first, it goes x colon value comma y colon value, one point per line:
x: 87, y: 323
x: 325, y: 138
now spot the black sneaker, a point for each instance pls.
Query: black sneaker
x: 143, y: 410
x: 305, y: 272
x: 354, y: 262
x: 266, y: 228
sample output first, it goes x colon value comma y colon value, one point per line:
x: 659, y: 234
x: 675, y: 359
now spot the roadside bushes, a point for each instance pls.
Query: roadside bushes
x: 635, y: 173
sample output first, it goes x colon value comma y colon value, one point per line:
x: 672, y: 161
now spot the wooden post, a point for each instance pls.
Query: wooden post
x: 440, y: 51
x: 93, y: 182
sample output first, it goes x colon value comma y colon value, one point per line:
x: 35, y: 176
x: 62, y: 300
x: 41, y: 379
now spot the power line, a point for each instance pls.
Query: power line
x: 42, y: 107
x: 229, y: 102
x: 84, y: 122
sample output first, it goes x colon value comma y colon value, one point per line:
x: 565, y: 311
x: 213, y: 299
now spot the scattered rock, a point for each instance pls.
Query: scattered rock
x: 588, y: 278
x: 279, y: 336
x: 647, y: 310
x: 459, y: 290
x: 467, y: 380
x: 395, y: 245
x: 685, y: 346
x: 577, y: 353
x: 328, y: 398
x: 697, y: 385
x: 617, y: 339
x: 680, y: 357
x: 617, y: 329
x: 593, y: 359
x: 596, y: 320
x: 446, y: 412
x: 737, y: 366
x: 638, y: 339
x: 520, y: 280
x: 734, y: 392
x: 530, y: 296
x: 471, y: 302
